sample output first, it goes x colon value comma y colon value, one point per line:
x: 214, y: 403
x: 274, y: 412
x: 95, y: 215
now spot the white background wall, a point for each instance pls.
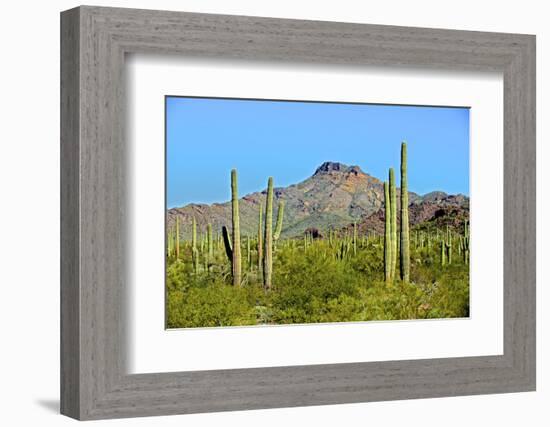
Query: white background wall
x: 29, y: 212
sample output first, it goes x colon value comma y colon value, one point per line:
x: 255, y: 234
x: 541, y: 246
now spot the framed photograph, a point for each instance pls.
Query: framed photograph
x: 261, y: 213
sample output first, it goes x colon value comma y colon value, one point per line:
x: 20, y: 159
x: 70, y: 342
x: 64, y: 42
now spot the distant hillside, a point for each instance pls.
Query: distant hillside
x: 336, y: 195
x: 429, y: 212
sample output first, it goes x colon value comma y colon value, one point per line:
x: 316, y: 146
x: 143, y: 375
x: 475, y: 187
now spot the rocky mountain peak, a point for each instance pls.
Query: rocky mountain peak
x: 328, y: 167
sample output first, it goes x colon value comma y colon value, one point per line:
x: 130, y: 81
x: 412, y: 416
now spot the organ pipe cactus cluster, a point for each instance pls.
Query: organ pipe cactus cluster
x: 344, y: 249
x: 390, y: 223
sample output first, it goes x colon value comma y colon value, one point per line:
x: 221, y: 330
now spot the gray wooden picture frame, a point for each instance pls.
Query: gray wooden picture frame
x: 94, y: 381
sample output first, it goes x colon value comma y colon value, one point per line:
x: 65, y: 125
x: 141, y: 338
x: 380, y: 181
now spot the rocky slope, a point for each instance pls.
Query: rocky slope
x: 426, y: 212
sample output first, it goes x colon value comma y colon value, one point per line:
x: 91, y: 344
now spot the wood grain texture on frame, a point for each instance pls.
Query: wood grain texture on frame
x: 94, y: 269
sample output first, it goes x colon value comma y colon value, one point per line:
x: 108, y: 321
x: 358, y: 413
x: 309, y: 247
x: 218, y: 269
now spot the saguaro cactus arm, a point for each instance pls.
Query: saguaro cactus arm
x: 227, y: 244
x: 279, y: 223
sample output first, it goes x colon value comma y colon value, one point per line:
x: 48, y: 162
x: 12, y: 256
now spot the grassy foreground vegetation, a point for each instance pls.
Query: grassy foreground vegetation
x: 314, y: 282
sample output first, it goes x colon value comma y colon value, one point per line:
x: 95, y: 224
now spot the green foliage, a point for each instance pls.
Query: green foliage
x: 213, y: 305
x: 317, y: 285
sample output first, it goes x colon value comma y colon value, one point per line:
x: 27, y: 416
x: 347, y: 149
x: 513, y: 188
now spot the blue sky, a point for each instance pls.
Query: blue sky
x: 207, y: 137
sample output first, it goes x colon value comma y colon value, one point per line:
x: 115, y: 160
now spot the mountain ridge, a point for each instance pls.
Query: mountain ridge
x: 334, y: 196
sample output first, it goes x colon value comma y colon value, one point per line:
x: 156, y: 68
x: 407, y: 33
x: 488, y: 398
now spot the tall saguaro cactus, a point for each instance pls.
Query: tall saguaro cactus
x: 233, y: 243
x: 387, y: 234
x: 268, y: 235
x: 393, y: 222
x: 169, y: 243
x: 194, y: 250
x: 354, y: 238
x: 260, y: 240
x: 177, y: 237
x: 236, y: 264
x: 449, y: 246
x: 466, y: 242
x: 405, y: 253
x: 210, y: 241
x: 248, y: 255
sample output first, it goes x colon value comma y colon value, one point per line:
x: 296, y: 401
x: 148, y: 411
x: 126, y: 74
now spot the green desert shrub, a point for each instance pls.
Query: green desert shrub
x: 214, y: 305
x: 317, y: 284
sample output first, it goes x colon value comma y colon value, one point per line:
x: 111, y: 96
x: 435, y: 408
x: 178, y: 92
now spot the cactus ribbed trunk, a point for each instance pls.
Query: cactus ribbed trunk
x: 260, y: 241
x: 236, y: 264
x: 405, y: 254
x: 210, y: 245
x: 227, y: 245
x: 393, y: 223
x: 354, y: 238
x: 279, y: 223
x: 210, y: 240
x: 248, y: 255
x: 268, y: 236
x: 466, y: 240
x: 194, y: 250
x: 387, y: 234
x: 169, y: 243
x: 449, y: 246
x: 177, y: 237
